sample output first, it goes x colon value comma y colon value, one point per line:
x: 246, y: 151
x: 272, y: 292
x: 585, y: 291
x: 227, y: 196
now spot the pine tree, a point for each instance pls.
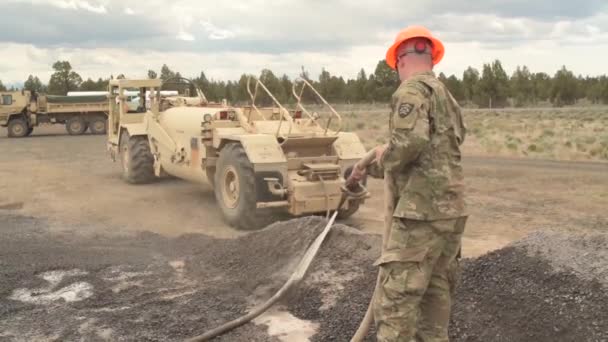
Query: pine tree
x: 564, y: 89
x: 470, y: 85
x: 34, y: 85
x: 64, y: 79
x: 522, y: 87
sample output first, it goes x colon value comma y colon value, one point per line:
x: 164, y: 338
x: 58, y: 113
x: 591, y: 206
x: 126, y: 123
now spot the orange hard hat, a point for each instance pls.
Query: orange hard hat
x: 414, y: 32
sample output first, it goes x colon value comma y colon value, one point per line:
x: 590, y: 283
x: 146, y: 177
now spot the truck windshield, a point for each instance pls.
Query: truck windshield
x: 6, y: 100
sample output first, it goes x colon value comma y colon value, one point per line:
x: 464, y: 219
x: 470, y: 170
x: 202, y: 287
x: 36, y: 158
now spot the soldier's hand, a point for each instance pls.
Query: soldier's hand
x: 356, y: 175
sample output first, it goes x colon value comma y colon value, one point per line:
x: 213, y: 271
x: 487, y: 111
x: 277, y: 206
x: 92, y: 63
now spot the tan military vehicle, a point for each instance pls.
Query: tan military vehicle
x: 21, y: 111
x: 256, y: 159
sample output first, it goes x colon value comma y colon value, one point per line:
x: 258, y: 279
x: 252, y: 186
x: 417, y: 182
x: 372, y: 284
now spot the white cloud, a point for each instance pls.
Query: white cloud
x: 228, y: 38
x: 79, y: 4
x: 185, y: 36
x: 216, y: 33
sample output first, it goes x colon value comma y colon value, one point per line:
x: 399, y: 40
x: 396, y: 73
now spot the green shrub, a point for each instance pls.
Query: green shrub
x: 594, y: 152
x: 512, y: 146
x: 581, y: 147
x: 589, y: 140
x: 548, y: 133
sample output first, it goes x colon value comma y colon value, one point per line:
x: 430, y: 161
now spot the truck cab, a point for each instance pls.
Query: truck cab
x: 13, y: 112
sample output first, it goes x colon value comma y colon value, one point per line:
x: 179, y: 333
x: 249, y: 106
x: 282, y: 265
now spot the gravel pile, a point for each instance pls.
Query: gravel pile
x: 547, y: 287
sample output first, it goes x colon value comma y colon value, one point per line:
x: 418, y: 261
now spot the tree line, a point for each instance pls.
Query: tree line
x: 490, y: 88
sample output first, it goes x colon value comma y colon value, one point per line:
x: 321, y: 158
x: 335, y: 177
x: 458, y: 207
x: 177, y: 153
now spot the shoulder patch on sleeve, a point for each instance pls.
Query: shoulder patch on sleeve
x: 405, y: 109
x: 407, y: 114
x: 409, y: 102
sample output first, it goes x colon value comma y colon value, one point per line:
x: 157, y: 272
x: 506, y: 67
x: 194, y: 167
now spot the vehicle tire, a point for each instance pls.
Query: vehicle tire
x: 17, y: 128
x: 136, y: 159
x: 211, y: 176
x: 235, y: 188
x: 76, y: 126
x: 98, y: 126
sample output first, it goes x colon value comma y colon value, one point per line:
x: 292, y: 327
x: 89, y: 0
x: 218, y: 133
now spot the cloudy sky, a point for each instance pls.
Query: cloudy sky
x: 228, y: 38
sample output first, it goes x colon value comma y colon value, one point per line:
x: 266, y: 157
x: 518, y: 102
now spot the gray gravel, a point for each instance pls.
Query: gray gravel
x: 545, y: 287
x: 147, y: 287
x: 585, y: 254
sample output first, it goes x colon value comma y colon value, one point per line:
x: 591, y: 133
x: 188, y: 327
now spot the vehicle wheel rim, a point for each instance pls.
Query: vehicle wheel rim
x: 18, y: 130
x: 76, y: 126
x: 98, y: 126
x: 230, y: 187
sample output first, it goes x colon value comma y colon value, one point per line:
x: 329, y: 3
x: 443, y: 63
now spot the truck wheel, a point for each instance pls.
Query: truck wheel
x: 211, y: 176
x: 136, y: 159
x: 17, y: 128
x: 235, y: 187
x: 76, y: 126
x: 98, y: 126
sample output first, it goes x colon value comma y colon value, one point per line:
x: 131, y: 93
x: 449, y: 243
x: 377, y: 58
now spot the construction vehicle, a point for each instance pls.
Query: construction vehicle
x: 21, y: 111
x: 257, y: 159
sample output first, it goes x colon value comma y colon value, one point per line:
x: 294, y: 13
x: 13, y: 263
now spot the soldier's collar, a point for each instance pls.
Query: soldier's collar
x: 419, y: 74
x: 425, y: 73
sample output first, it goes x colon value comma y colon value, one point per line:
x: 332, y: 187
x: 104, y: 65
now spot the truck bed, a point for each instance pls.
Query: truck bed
x: 76, y: 99
x: 73, y: 104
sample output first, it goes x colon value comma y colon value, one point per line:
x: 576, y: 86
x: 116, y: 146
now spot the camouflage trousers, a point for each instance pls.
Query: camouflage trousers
x: 418, y: 272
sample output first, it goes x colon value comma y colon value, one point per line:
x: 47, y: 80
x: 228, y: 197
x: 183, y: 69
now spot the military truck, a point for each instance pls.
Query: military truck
x: 21, y: 111
x: 257, y: 159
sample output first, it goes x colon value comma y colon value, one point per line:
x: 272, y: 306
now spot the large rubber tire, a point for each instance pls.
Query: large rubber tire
x: 76, y: 125
x: 211, y: 176
x: 235, y: 188
x: 98, y: 126
x: 136, y: 159
x: 17, y: 128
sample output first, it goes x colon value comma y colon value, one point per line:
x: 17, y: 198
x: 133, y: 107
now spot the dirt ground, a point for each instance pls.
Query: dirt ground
x: 64, y: 208
x: 71, y: 180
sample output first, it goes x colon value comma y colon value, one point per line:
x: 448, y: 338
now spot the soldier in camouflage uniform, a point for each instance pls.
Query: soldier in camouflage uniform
x: 423, y: 158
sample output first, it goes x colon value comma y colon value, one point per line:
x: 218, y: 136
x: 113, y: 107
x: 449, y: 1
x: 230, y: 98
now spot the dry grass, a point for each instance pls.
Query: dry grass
x: 566, y: 134
x: 579, y: 133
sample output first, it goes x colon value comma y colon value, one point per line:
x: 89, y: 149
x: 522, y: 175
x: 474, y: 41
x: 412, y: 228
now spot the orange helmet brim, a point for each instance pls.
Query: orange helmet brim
x: 438, y: 50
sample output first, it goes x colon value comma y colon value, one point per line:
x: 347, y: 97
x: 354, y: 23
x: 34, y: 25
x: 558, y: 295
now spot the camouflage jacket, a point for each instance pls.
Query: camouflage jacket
x: 423, y: 154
